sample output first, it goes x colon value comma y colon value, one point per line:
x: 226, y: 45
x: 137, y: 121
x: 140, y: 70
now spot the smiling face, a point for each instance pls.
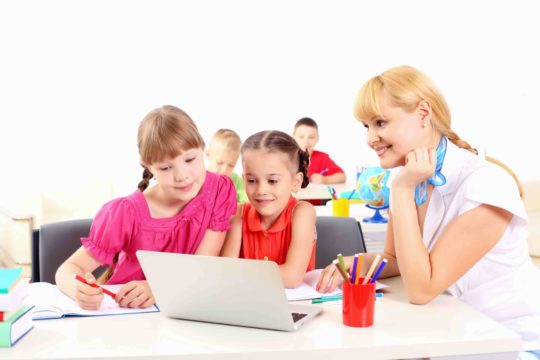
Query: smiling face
x: 397, y: 132
x: 269, y: 179
x: 180, y: 178
x: 306, y: 137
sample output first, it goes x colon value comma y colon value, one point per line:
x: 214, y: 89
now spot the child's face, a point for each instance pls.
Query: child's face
x: 269, y: 181
x: 221, y: 160
x: 181, y: 178
x: 396, y: 133
x: 306, y: 137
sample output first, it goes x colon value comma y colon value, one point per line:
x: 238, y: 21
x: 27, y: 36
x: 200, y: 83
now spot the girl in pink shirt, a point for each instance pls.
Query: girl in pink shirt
x: 187, y: 211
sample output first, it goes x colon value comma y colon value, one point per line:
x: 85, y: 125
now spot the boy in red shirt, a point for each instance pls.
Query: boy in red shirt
x: 322, y: 170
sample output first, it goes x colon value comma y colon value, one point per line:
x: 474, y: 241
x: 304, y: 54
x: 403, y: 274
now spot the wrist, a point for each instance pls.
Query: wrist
x: 400, y: 196
x: 400, y: 187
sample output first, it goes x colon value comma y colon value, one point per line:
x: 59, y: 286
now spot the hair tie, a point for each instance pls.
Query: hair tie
x: 437, y: 179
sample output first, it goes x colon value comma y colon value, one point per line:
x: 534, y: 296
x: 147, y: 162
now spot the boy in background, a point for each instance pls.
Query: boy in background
x: 222, y: 153
x: 322, y: 170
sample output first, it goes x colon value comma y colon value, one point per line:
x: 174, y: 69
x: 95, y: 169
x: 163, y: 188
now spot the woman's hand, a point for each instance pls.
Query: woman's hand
x: 419, y: 165
x: 330, y: 277
x: 135, y: 294
x: 88, y: 297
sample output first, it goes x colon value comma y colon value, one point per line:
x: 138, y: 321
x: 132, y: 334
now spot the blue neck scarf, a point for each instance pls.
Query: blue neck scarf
x: 437, y: 179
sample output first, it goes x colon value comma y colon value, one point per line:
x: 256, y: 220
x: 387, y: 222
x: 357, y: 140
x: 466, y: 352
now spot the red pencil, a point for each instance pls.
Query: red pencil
x: 83, y: 280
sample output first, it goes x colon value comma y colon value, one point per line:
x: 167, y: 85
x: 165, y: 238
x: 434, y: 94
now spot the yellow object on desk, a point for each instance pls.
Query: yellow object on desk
x: 340, y: 207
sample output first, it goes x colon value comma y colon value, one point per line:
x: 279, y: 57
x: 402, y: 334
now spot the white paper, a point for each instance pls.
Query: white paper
x: 50, y: 303
x: 307, y: 290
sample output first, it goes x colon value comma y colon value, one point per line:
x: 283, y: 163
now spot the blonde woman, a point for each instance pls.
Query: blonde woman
x: 456, y: 221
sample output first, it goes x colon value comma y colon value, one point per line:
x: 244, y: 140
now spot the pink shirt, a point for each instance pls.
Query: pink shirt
x: 124, y: 225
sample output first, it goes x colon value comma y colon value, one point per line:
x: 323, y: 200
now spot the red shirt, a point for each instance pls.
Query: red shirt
x: 273, y: 243
x: 321, y: 162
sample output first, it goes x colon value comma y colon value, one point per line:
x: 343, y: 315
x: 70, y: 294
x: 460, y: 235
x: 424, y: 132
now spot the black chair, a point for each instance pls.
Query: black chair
x: 57, y: 241
x: 337, y: 235
x: 35, y: 255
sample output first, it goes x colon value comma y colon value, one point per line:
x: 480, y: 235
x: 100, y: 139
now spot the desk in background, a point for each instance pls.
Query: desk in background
x: 320, y: 191
x: 446, y: 328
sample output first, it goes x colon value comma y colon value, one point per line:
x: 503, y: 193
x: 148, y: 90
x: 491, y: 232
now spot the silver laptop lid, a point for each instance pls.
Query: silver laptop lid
x: 218, y: 289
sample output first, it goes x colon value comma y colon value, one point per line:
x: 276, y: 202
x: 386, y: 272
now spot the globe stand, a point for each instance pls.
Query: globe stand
x: 377, y: 218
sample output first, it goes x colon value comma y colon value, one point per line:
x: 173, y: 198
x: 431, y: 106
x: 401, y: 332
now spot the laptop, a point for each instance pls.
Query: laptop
x: 222, y: 290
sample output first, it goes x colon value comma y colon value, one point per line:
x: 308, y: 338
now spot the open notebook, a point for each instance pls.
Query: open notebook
x: 306, y: 290
x: 50, y: 303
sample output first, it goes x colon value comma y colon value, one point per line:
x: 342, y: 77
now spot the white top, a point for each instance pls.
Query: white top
x: 504, y: 284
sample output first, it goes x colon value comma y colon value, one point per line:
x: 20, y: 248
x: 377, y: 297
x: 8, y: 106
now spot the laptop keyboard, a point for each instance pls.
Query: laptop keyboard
x: 297, y: 316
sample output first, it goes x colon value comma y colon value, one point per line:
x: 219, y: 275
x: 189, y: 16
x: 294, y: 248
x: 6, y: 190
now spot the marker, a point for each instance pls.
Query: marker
x: 327, y: 298
x: 351, y: 194
x: 344, y: 275
x: 330, y: 192
x: 371, y: 269
x: 342, y: 266
x: 359, y: 268
x: 83, y: 280
x: 323, y: 299
x: 324, y: 171
x: 354, y: 265
x: 379, y: 270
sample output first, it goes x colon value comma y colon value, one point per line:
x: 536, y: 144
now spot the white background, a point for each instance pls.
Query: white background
x: 77, y: 77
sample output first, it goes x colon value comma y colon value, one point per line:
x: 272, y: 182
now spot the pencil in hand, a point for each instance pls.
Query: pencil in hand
x: 83, y: 280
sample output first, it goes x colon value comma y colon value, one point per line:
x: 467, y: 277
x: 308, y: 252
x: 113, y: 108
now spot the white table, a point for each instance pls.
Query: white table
x: 444, y: 328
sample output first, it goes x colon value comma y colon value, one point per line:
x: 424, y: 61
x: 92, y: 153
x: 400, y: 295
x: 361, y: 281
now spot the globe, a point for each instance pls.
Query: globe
x: 372, y: 189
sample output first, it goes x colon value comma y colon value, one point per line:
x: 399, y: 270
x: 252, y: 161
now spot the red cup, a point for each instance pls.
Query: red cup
x: 358, y: 304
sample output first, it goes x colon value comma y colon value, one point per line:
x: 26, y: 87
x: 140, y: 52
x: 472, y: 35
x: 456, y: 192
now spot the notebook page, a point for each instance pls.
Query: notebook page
x: 50, y: 303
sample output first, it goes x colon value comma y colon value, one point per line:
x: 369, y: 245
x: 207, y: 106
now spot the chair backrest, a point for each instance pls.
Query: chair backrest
x: 57, y: 241
x: 35, y: 255
x: 337, y: 235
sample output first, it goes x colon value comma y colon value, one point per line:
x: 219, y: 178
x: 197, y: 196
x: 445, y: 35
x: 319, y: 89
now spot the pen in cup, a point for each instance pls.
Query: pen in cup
x: 344, y: 275
x: 83, y: 280
x: 353, y: 272
x: 359, y: 268
x: 379, y: 270
x: 331, y: 192
x: 371, y: 269
x: 343, y: 267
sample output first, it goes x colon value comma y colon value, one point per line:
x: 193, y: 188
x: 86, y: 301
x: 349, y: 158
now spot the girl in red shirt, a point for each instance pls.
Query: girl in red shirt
x: 274, y: 225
